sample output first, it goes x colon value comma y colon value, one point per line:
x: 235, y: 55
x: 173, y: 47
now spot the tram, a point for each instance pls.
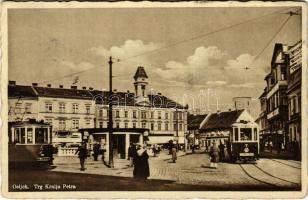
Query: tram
x: 244, y: 143
x: 30, y: 143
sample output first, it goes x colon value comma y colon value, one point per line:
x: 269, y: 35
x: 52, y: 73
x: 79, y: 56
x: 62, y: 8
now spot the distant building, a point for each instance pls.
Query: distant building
x: 219, y: 126
x: 262, y: 118
x: 241, y: 103
x: 71, y: 109
x: 65, y: 109
x: 193, y: 125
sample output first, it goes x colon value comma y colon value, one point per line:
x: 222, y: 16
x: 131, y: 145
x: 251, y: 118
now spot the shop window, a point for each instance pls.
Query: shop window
x: 29, y: 135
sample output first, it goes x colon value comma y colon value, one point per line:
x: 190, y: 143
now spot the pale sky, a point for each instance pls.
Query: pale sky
x: 45, y: 44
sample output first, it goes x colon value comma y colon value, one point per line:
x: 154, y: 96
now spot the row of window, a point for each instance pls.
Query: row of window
x: 294, y: 105
x: 62, y: 124
x: 176, y: 115
x: 144, y: 125
x: 62, y: 108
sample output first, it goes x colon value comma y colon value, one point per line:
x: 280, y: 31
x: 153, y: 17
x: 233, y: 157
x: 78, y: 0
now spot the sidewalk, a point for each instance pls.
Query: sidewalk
x: 121, y: 166
x: 276, y: 154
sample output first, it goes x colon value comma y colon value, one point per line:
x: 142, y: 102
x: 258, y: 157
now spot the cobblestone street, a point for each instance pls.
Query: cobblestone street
x: 193, y: 169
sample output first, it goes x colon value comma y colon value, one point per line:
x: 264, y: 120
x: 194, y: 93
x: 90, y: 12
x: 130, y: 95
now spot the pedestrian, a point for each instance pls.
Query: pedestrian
x: 141, y: 164
x: 230, y: 157
x: 221, y: 152
x: 173, y: 152
x: 103, y: 150
x: 96, y: 150
x: 154, y: 150
x: 270, y: 144
x: 82, y: 155
x: 131, y: 154
x: 213, y: 155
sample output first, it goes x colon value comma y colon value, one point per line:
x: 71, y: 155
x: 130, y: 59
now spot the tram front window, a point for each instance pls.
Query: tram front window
x: 41, y: 136
x: 246, y: 134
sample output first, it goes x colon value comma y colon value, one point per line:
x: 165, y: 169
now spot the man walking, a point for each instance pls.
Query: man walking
x: 82, y: 155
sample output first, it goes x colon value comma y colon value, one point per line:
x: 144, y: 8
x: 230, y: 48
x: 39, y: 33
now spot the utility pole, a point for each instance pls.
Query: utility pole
x: 177, y: 128
x: 110, y: 126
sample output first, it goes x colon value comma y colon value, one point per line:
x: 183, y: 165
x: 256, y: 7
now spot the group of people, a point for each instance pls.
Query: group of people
x: 217, y: 154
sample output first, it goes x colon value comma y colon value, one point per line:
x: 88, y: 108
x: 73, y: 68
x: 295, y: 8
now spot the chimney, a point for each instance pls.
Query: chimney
x: 90, y: 88
x: 60, y: 86
x: 74, y: 87
x: 34, y: 84
x: 49, y: 85
x: 84, y: 88
x: 12, y: 83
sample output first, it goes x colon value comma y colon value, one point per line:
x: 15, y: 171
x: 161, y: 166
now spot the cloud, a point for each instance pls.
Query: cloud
x: 243, y: 85
x: 216, y: 83
x: 128, y: 49
x: 199, y: 66
x: 77, y: 66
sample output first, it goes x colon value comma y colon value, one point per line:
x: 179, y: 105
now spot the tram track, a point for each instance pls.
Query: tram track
x: 270, y: 179
x: 286, y: 164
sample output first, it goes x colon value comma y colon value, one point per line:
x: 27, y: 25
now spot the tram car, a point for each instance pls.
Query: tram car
x: 30, y: 144
x: 244, y: 143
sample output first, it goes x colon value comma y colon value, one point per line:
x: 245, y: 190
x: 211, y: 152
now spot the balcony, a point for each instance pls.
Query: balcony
x: 275, y: 88
x: 281, y: 110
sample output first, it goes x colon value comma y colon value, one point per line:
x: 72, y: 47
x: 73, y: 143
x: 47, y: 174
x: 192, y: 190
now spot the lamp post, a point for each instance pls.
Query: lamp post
x: 110, y: 126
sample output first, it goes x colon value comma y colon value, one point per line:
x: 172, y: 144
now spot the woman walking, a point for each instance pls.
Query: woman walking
x: 214, y: 155
x: 141, y: 164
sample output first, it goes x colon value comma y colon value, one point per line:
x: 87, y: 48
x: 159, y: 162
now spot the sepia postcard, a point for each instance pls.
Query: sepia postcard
x: 154, y: 100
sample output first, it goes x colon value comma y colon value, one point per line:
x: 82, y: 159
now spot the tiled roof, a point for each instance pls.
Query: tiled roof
x: 21, y: 91
x: 63, y: 93
x: 140, y: 73
x: 119, y: 98
x: 194, y: 121
x: 128, y: 99
x: 164, y: 102
x: 221, y: 120
x: 100, y: 97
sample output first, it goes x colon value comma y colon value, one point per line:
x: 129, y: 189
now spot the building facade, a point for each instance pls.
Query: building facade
x: 276, y: 99
x: 70, y: 109
x: 217, y: 127
x: 294, y: 96
x: 280, y: 117
x: 166, y: 119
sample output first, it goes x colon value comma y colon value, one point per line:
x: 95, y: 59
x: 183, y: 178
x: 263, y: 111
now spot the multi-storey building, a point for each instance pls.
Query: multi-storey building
x: 65, y: 109
x: 276, y: 99
x: 262, y: 120
x: 241, y: 103
x: 166, y: 119
x: 294, y: 95
x: 72, y: 109
x: 281, y: 99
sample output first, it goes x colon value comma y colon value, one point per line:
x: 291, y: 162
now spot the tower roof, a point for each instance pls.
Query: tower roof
x: 140, y: 73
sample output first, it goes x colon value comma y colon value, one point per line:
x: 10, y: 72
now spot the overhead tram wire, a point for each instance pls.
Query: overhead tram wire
x: 176, y: 43
x: 205, y: 34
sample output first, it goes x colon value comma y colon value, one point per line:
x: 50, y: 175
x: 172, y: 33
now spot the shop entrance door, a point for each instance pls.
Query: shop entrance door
x: 119, y: 146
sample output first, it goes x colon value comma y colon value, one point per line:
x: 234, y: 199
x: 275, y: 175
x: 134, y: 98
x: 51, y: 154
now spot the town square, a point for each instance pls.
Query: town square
x: 155, y: 99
